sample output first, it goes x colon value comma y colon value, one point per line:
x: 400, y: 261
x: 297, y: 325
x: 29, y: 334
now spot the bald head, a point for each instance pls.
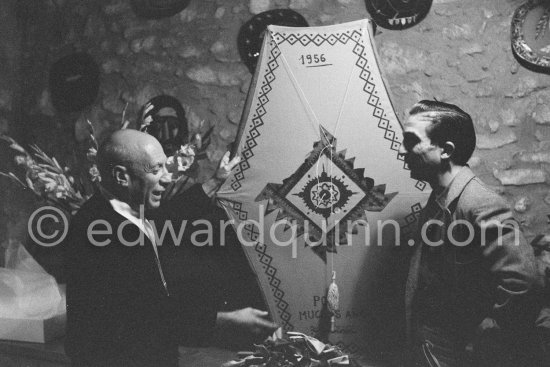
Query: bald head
x: 133, y: 167
x: 127, y: 148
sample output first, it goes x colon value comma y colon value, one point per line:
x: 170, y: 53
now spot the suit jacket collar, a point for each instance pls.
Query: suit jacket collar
x: 455, y: 188
x: 101, y: 205
x: 102, y: 209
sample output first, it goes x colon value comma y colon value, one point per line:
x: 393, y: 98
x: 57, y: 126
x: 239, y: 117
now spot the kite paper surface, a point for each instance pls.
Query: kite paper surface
x: 320, y: 175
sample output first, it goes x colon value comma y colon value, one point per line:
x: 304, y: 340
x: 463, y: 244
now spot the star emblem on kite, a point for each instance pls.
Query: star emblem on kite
x: 325, y: 194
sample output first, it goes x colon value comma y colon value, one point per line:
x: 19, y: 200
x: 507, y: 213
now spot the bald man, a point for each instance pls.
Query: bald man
x: 120, y: 309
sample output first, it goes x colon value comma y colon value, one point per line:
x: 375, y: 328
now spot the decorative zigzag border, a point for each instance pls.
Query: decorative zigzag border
x: 257, y: 121
x: 364, y: 75
x: 411, y: 219
x: 275, y: 283
x: 269, y: 270
x: 269, y: 77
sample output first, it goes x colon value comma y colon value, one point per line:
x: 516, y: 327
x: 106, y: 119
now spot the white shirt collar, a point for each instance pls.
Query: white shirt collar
x: 127, y: 212
x: 139, y: 220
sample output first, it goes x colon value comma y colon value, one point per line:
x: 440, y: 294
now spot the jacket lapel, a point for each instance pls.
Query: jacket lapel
x: 463, y: 177
x: 131, y: 231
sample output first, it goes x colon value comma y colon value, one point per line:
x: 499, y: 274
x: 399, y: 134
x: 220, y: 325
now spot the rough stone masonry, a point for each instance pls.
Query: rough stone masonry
x: 460, y: 53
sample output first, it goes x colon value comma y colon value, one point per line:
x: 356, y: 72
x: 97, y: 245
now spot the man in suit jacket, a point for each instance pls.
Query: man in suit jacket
x: 472, y: 274
x: 186, y: 265
x: 120, y: 310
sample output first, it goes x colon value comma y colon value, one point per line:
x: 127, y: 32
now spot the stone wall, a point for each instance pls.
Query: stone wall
x: 460, y: 53
x: 10, y: 94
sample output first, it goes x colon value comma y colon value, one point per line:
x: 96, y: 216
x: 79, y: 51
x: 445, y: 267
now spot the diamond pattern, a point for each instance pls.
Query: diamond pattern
x: 292, y: 39
x: 254, y: 132
x: 270, y: 271
x: 420, y: 185
x: 319, y: 40
x: 274, y: 282
x: 304, y: 40
x: 411, y: 219
x: 344, y: 38
x: 369, y: 88
x: 257, y: 121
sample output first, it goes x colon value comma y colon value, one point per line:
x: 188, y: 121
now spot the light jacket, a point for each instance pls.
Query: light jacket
x: 487, y: 271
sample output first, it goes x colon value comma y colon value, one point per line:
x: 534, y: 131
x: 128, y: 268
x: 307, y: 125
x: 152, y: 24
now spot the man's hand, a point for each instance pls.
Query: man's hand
x: 247, y: 323
x: 225, y: 167
x: 222, y: 173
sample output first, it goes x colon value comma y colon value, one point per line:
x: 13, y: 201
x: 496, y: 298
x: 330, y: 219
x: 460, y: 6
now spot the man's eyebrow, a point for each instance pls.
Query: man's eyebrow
x: 410, y: 135
x: 151, y: 167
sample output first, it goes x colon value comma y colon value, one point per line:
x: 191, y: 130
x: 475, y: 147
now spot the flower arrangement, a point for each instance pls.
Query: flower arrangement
x: 183, y: 164
x: 184, y: 159
x: 45, y: 177
x: 51, y: 182
x: 181, y: 161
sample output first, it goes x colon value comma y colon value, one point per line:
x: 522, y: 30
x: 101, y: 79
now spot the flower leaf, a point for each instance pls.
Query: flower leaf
x: 123, y: 122
x: 13, y: 177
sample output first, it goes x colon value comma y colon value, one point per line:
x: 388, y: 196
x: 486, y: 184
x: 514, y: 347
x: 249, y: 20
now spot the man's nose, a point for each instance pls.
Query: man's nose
x: 402, y: 149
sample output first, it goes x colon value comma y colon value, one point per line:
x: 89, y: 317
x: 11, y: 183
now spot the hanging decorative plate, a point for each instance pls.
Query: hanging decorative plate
x: 163, y: 117
x: 74, y: 82
x: 531, y: 35
x: 252, y: 32
x: 154, y: 9
x: 398, y: 14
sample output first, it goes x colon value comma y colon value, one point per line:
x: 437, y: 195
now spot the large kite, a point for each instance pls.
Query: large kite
x: 321, y: 190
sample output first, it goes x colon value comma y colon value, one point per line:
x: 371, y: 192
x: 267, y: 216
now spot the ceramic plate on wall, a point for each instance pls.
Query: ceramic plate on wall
x: 398, y: 14
x: 251, y: 34
x: 531, y: 35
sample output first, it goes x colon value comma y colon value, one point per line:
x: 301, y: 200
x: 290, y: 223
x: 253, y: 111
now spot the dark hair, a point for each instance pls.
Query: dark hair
x: 449, y: 123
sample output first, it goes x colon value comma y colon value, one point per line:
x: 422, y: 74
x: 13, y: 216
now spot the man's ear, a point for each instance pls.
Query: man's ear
x: 120, y: 175
x: 448, y: 150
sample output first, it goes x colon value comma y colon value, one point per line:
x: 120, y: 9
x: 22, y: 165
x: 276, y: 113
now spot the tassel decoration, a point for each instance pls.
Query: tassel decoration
x: 333, y: 300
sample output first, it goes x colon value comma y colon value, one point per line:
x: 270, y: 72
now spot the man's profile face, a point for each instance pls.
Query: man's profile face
x: 148, y: 177
x: 421, y: 155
